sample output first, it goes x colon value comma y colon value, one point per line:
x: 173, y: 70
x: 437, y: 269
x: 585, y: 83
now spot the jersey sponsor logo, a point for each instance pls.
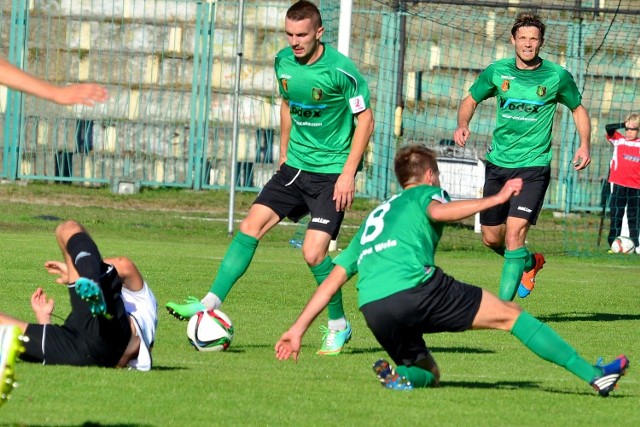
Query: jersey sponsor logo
x: 505, y: 85
x: 320, y: 220
x: 316, y: 94
x: 542, y: 91
x: 522, y: 105
x: 297, y: 109
x: 357, y: 104
x: 524, y: 209
x: 507, y: 77
x: 285, y: 84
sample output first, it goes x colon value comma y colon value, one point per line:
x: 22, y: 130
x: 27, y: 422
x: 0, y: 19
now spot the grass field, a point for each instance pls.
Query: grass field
x: 178, y: 238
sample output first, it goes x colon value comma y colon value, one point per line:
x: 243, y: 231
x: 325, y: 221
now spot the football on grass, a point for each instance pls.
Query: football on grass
x: 622, y: 245
x: 210, y: 330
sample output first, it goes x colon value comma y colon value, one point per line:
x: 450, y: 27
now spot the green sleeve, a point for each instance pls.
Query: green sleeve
x: 568, y: 93
x: 483, y: 88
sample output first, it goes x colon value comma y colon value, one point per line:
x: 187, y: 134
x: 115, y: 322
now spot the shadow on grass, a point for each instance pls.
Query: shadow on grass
x: 85, y: 424
x: 514, y: 385
x: 493, y: 385
x: 464, y: 350
x: 588, y: 317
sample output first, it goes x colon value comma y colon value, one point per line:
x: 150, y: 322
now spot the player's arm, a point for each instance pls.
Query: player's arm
x: 611, y: 128
x: 285, y: 130
x: 582, y: 157
x: 81, y: 93
x: 128, y: 272
x: 465, y: 114
x: 289, y: 343
x: 345, y: 187
x: 461, y: 209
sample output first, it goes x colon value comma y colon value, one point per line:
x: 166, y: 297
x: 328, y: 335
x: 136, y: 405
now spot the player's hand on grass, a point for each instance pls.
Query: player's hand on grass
x: 59, y: 268
x: 344, y: 192
x: 42, y: 306
x: 288, y: 346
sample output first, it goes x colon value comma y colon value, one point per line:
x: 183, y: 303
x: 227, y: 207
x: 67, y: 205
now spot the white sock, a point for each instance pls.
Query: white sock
x: 211, y: 301
x: 337, y: 324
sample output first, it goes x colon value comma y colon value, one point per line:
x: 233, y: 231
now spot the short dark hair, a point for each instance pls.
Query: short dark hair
x: 305, y: 10
x: 528, y: 19
x: 412, y: 162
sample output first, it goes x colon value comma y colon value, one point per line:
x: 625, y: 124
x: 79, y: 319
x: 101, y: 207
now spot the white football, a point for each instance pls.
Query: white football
x: 210, y: 330
x: 622, y: 245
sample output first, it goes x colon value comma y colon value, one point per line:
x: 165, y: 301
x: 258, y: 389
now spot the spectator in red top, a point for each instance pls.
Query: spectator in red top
x: 624, y: 174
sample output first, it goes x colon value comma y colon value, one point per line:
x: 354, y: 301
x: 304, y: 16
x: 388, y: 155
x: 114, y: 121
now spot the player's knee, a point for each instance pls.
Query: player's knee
x: 509, y: 315
x: 492, y: 242
x: 67, y: 229
x: 124, y: 266
x: 312, y: 256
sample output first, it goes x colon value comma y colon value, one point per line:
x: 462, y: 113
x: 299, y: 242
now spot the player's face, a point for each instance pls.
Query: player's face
x: 631, y: 129
x: 527, y: 42
x: 304, y: 39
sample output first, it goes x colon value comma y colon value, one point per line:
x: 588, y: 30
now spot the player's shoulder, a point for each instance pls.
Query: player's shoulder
x: 284, y: 54
x: 555, y: 67
x: 335, y: 59
x: 428, y: 193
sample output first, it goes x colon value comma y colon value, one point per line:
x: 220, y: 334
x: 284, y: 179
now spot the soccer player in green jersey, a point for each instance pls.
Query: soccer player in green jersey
x: 403, y: 294
x: 527, y: 89
x: 325, y: 126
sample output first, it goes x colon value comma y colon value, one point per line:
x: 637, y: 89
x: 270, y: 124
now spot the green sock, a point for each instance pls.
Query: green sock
x: 529, y: 262
x: 234, y: 264
x: 320, y: 272
x: 512, y: 270
x: 547, y: 344
x: 417, y: 376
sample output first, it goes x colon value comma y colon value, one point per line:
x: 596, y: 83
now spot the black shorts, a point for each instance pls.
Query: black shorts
x: 293, y: 193
x: 527, y: 204
x: 441, y: 304
x: 84, y: 340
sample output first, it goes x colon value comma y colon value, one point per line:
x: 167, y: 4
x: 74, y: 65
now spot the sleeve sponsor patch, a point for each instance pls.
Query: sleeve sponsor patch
x: 357, y: 104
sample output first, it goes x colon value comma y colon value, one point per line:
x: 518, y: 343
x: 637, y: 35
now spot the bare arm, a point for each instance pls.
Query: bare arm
x: 582, y: 158
x: 128, y: 272
x: 285, y: 130
x: 345, y: 187
x: 612, y: 127
x: 461, y: 209
x: 465, y: 114
x: 81, y: 93
x: 289, y: 343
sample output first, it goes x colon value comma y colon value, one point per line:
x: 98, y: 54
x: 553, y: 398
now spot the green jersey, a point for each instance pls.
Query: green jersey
x: 395, y: 247
x: 322, y: 97
x: 526, y: 104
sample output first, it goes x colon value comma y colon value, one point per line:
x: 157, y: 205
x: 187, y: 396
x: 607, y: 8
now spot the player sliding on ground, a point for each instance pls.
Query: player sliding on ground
x: 403, y: 294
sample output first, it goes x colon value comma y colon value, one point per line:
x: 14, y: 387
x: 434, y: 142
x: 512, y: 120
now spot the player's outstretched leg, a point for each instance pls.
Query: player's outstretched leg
x: 10, y: 347
x: 389, y: 378
x: 611, y: 373
x: 528, y: 280
x: 90, y: 292
x: 185, y: 311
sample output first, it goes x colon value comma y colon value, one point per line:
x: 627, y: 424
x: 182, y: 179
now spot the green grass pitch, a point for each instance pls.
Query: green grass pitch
x: 488, y: 377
